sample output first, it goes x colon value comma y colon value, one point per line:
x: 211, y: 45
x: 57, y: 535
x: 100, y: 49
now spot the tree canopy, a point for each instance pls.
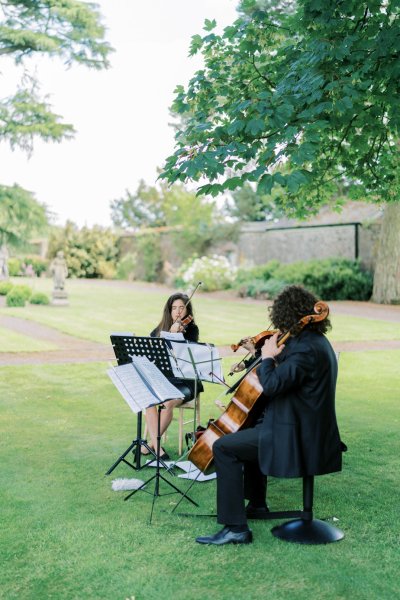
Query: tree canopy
x: 301, y: 96
x: 68, y: 29
x: 193, y: 221
x: 21, y: 216
x: 248, y: 205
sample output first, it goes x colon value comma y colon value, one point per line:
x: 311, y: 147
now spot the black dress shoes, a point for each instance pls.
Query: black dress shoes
x: 257, y: 512
x: 227, y: 536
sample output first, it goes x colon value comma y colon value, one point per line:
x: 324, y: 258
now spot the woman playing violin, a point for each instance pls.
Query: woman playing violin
x: 295, y: 435
x: 177, y: 318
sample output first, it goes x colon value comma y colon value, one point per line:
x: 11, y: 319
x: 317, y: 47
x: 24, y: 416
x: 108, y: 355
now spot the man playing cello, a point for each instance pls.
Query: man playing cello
x: 295, y: 435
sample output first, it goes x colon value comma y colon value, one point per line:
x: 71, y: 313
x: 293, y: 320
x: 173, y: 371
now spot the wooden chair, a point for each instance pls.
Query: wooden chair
x: 193, y: 405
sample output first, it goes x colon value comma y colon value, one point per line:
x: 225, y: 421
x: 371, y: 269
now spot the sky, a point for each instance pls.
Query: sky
x: 121, y: 115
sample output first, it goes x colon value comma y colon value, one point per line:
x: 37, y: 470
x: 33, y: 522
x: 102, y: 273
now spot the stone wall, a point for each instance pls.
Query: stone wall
x: 287, y: 242
x: 258, y: 244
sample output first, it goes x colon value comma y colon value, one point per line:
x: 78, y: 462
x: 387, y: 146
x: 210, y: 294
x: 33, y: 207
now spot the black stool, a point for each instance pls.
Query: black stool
x: 304, y: 529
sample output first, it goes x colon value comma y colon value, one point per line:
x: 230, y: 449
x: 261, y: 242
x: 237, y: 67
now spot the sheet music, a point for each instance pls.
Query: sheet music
x: 158, y: 383
x: 177, y: 337
x: 123, y: 333
x: 205, y: 356
x: 142, y: 385
x: 190, y: 470
x: 123, y: 377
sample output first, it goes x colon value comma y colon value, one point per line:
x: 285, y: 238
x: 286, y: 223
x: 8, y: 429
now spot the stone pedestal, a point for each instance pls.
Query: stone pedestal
x: 59, y: 298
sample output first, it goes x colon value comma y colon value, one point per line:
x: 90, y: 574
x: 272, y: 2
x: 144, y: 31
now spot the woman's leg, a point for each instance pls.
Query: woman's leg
x: 165, y: 420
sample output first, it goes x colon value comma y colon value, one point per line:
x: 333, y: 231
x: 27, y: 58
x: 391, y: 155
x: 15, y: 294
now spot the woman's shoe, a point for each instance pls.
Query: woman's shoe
x: 164, y: 455
x: 144, y: 451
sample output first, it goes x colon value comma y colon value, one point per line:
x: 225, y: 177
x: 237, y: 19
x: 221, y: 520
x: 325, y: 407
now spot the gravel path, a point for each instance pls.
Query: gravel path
x: 75, y: 350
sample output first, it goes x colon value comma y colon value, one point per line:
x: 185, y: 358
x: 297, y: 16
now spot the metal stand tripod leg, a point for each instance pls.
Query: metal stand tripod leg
x: 157, y: 476
x: 135, y: 446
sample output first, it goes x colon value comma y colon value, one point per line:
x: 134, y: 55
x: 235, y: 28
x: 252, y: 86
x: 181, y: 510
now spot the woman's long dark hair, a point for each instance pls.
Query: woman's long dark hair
x: 293, y: 303
x: 166, y: 320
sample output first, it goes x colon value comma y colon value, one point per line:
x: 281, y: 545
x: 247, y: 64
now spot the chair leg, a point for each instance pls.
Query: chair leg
x: 180, y: 430
x: 198, y: 419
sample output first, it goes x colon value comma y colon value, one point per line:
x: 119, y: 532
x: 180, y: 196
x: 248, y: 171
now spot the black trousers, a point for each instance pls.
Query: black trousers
x: 238, y: 475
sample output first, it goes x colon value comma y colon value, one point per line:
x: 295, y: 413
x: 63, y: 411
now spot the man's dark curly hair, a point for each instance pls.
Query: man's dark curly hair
x: 293, y: 303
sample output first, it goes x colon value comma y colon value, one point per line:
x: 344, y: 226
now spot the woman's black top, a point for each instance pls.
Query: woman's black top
x: 186, y: 386
x: 191, y: 332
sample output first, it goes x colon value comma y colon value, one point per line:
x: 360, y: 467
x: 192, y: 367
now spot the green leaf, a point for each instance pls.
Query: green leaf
x: 265, y: 184
x: 196, y: 44
x: 233, y: 183
x: 209, y: 25
x: 236, y: 126
x: 254, y: 126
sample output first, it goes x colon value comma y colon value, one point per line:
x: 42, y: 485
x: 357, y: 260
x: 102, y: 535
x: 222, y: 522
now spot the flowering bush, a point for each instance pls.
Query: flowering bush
x: 215, y: 272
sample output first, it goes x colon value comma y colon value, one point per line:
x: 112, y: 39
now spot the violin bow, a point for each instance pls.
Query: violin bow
x: 193, y: 293
x: 189, y: 299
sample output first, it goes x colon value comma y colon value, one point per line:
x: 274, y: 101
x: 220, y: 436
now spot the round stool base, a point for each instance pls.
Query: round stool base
x: 301, y: 531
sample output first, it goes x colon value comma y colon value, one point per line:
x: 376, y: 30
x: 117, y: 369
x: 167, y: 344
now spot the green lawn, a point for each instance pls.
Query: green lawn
x: 67, y: 535
x: 100, y: 307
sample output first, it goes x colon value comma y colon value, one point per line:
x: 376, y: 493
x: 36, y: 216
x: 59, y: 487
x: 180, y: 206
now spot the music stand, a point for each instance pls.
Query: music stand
x: 157, y: 476
x: 193, y: 361
x: 125, y: 346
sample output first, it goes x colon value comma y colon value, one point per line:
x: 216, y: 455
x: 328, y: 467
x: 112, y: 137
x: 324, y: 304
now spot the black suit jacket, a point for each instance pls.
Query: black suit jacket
x: 299, y: 433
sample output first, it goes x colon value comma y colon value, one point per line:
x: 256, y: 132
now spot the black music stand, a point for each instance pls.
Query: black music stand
x: 158, y: 476
x: 196, y: 372
x: 155, y: 349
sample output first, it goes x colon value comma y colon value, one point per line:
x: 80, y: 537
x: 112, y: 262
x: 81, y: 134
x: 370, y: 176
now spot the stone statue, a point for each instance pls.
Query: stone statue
x: 59, y: 270
x: 3, y: 262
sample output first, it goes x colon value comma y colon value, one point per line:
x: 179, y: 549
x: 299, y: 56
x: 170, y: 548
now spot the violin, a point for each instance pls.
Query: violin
x: 189, y: 318
x: 240, y: 412
x: 185, y: 322
x: 257, y: 340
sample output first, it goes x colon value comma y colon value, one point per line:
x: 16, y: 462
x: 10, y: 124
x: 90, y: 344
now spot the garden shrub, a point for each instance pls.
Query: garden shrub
x: 38, y: 264
x: 258, y: 273
x: 28, y: 266
x: 127, y: 266
x: 215, y: 272
x: 90, y: 253
x: 25, y: 290
x: 105, y: 269
x: 18, y: 295
x: 259, y: 288
x: 5, y: 287
x: 14, y: 267
x: 39, y: 298
x: 149, y: 249
x: 330, y: 279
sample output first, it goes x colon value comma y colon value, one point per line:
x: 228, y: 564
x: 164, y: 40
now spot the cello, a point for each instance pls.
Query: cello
x: 240, y: 411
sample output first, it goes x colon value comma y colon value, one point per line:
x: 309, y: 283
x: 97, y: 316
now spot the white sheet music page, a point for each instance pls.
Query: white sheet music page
x: 157, y: 382
x: 141, y: 384
x: 206, y: 358
x: 131, y: 387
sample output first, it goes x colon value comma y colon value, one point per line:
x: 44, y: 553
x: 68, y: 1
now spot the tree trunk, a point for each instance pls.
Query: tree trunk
x: 387, y: 268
